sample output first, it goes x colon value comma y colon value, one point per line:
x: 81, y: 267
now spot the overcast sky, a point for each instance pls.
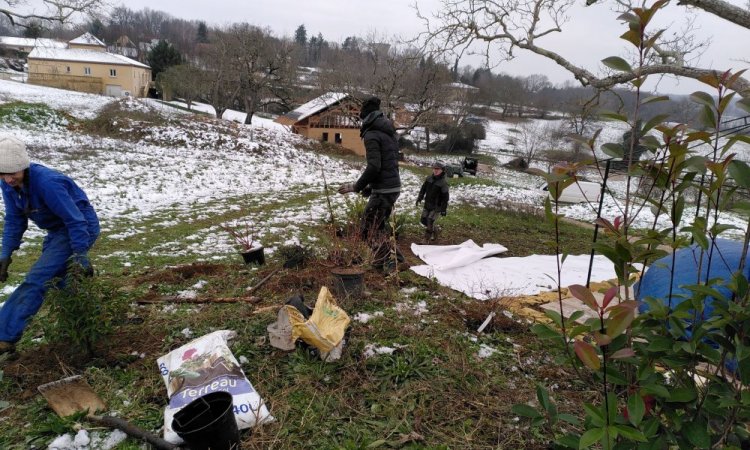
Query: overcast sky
x: 590, y: 35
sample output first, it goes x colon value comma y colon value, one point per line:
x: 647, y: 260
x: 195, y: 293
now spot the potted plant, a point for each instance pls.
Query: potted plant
x: 244, y: 235
x: 347, y: 258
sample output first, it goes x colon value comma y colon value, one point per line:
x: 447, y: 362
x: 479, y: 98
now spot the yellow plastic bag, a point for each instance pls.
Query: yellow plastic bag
x: 326, y: 326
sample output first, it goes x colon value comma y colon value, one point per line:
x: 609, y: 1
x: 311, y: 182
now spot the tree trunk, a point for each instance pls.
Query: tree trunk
x: 427, y: 138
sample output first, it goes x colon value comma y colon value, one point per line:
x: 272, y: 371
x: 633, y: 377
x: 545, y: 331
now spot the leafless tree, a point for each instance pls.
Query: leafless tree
x: 529, y: 139
x: 24, y: 13
x: 533, y: 85
x: 426, y: 91
x: 218, y: 61
x: 265, y: 66
x: 509, y: 94
x: 398, y: 75
x: 246, y: 66
x: 505, y: 26
x: 345, y: 71
x: 184, y: 81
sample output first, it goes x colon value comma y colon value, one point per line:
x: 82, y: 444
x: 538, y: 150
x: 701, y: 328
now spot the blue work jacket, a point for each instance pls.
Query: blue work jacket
x: 55, y: 203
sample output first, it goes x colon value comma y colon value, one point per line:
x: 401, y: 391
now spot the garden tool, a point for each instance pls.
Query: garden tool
x: 73, y: 394
x: 293, y: 260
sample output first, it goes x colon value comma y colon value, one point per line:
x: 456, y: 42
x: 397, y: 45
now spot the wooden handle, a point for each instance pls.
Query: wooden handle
x: 133, y: 431
x: 261, y: 282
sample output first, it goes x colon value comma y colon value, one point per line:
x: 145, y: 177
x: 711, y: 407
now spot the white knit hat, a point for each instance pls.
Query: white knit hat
x: 13, y: 156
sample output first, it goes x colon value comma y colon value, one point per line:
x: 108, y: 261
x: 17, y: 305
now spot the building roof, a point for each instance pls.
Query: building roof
x: 463, y: 86
x: 315, y: 106
x: 87, y: 39
x: 124, y: 41
x: 30, y: 42
x: 83, y: 55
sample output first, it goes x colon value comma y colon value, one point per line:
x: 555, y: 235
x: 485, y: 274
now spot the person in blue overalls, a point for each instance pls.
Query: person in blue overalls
x: 55, y: 203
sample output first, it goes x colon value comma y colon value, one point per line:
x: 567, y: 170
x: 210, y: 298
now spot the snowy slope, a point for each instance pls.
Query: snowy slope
x: 182, y: 172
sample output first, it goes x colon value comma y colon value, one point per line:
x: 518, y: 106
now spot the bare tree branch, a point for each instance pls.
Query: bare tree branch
x: 59, y: 11
x: 508, y: 25
x: 722, y: 9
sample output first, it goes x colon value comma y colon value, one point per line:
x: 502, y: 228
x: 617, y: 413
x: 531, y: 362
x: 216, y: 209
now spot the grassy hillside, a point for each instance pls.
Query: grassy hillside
x: 165, y: 184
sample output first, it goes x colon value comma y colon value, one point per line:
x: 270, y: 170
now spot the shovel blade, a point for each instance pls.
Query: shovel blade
x: 71, y: 395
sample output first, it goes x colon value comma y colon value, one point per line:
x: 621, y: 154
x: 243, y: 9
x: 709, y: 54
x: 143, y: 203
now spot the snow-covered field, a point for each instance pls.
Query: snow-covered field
x: 189, y: 172
x: 523, y: 188
x: 142, y: 187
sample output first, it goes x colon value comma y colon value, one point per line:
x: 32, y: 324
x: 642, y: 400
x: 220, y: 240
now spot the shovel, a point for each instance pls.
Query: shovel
x: 73, y: 394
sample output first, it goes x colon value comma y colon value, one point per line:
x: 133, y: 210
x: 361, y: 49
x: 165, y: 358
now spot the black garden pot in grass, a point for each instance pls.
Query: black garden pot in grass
x: 348, y: 281
x: 254, y: 256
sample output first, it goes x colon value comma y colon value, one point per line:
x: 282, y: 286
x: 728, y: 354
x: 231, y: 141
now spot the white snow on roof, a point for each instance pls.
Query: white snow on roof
x: 463, y: 86
x: 315, y: 105
x: 83, y: 55
x: 447, y: 110
x: 30, y: 42
x: 88, y: 39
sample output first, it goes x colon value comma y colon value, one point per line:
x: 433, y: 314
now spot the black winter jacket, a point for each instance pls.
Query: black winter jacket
x: 435, y: 193
x: 381, y: 150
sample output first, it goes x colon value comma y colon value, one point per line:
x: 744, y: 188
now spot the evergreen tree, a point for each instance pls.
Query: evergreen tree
x: 96, y: 27
x: 315, y: 49
x: 350, y: 44
x: 300, y: 36
x: 202, y: 37
x: 33, y: 30
x: 162, y: 56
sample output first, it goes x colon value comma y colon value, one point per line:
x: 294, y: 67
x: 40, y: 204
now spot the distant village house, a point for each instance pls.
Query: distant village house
x: 18, y: 46
x: 332, y: 117
x: 86, y: 66
x: 124, y: 46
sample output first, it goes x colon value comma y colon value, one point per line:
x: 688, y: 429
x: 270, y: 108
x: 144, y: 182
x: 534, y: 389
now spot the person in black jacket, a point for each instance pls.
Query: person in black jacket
x: 380, y: 180
x: 434, y: 192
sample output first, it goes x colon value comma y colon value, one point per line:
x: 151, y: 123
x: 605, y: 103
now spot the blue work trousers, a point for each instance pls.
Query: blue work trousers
x: 26, y: 300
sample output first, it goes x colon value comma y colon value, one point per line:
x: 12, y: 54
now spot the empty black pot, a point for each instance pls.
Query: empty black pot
x: 254, y: 256
x: 208, y: 423
x: 348, y: 282
x: 298, y: 301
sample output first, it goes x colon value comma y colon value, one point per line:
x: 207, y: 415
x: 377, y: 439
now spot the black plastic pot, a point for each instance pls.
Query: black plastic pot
x: 348, y: 282
x: 254, y: 256
x: 298, y: 301
x: 208, y: 423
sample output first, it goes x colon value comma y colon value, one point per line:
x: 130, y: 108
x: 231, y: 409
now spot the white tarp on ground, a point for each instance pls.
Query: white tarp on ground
x: 444, y: 257
x: 485, y: 278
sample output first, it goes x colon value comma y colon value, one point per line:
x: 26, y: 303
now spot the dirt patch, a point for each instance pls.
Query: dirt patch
x: 477, y: 312
x: 179, y: 274
x: 309, y: 279
x: 53, y: 361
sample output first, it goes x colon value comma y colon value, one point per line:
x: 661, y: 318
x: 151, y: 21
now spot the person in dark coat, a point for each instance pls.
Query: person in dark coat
x: 380, y: 180
x: 435, y: 194
x: 55, y: 203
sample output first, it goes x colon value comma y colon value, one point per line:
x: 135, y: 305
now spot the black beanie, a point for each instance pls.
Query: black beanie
x: 368, y: 106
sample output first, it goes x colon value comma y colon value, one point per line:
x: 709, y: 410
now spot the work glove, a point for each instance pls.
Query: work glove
x: 4, y: 263
x: 443, y: 213
x: 346, y: 188
x: 79, y: 263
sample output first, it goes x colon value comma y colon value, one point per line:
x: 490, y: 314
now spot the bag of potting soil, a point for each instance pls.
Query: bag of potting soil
x: 326, y: 326
x: 206, y: 365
